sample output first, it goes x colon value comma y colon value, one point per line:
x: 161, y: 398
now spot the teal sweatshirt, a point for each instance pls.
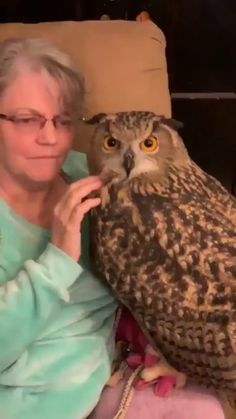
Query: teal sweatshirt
x: 56, y: 322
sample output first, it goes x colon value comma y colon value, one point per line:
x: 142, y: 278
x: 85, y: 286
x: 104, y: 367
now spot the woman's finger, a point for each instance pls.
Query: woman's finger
x: 75, y: 197
x: 85, y: 181
x: 82, y: 209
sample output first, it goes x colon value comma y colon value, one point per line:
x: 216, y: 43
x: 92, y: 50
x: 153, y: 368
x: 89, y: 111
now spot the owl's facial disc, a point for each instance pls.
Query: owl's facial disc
x: 133, y: 144
x: 128, y: 161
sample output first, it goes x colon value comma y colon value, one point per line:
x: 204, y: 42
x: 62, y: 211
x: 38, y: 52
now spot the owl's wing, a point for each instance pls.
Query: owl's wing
x: 220, y: 198
x: 172, y: 263
x: 186, y: 250
x: 186, y: 281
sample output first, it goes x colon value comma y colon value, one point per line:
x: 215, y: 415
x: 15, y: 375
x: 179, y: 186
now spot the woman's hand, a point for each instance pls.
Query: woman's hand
x: 69, y: 214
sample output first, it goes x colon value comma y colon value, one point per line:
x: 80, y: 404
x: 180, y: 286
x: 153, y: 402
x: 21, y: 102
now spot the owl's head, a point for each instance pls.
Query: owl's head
x: 131, y: 144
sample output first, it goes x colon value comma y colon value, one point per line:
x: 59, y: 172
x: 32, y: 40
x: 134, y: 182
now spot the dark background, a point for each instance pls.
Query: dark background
x: 201, y: 56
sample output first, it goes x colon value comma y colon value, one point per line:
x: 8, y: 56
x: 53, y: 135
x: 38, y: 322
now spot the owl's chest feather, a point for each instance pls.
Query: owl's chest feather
x: 178, y: 248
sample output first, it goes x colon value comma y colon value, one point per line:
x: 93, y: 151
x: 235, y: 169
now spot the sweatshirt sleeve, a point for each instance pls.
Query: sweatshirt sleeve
x: 31, y: 299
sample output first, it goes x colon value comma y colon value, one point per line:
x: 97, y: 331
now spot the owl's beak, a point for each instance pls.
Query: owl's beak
x: 128, y: 162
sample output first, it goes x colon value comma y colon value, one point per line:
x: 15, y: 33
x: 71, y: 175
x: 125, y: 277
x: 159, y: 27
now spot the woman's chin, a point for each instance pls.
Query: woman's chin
x: 41, y: 178
x: 47, y: 171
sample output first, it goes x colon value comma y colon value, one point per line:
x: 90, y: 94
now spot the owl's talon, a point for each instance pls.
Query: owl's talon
x: 181, y: 380
x: 164, y: 386
x: 115, y: 378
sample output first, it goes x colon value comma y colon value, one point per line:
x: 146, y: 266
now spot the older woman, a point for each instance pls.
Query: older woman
x: 56, y: 319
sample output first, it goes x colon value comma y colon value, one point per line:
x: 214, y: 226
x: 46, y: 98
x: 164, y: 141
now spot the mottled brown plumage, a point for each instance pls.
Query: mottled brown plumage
x: 164, y: 239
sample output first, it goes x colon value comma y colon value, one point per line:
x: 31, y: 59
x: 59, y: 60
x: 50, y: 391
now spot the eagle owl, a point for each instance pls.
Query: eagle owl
x: 164, y: 239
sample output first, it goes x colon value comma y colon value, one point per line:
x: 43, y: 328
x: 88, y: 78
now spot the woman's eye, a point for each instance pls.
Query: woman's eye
x: 23, y: 120
x: 26, y: 120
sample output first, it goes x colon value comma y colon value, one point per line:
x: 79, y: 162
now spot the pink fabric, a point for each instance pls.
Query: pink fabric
x: 192, y: 402
x: 128, y: 330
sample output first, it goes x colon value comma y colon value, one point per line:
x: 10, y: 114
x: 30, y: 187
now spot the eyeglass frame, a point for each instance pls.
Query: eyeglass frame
x: 41, y: 119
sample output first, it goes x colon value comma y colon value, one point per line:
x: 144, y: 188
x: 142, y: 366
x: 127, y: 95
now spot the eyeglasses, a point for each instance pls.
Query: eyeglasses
x: 32, y: 124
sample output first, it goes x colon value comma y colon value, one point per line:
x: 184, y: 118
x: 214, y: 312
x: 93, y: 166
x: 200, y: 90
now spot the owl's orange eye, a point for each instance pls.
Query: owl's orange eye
x: 110, y: 144
x: 150, y: 144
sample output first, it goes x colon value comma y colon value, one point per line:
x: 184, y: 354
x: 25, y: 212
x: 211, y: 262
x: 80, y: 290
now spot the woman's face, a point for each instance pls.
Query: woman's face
x: 32, y: 148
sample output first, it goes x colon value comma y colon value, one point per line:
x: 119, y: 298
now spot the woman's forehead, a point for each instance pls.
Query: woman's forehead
x: 31, y: 90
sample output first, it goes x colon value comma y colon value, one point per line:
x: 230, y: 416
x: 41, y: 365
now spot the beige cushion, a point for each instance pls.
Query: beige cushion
x: 123, y: 63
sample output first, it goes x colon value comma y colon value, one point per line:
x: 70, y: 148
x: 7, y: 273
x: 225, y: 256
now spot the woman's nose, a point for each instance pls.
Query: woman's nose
x: 48, y: 133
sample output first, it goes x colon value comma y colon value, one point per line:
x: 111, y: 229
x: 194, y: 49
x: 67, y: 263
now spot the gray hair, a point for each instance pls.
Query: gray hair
x: 36, y: 54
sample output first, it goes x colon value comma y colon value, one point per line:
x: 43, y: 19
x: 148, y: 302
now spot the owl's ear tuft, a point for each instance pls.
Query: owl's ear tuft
x: 96, y: 119
x: 172, y: 123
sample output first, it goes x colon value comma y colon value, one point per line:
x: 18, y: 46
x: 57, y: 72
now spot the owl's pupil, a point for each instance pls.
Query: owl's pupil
x: 148, y: 143
x: 111, y: 142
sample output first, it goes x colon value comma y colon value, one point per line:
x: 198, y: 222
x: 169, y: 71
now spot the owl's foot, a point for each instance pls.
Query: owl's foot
x: 162, y: 385
x: 156, y: 367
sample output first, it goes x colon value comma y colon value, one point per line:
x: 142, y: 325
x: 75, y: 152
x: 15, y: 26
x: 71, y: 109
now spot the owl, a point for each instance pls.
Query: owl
x: 164, y: 240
